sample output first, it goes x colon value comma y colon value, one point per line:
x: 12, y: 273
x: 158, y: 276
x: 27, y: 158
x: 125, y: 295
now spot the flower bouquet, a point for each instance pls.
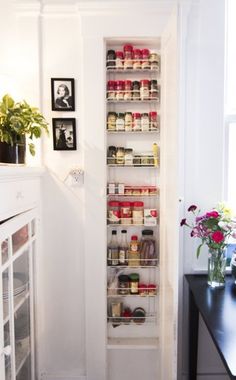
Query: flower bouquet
x: 214, y: 229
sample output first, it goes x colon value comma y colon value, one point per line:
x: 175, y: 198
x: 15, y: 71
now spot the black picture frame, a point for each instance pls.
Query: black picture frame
x: 63, y: 94
x: 64, y: 133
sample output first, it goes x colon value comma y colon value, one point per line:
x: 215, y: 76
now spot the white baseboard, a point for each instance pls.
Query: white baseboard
x: 47, y: 376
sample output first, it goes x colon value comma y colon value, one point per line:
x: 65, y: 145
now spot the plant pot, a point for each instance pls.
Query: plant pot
x: 12, y: 154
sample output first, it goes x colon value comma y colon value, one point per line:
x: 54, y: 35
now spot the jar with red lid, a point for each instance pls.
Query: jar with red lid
x: 137, y: 59
x: 128, y: 56
x: 137, y: 212
x: 125, y: 213
x: 111, y: 95
x: 152, y: 289
x: 113, y: 212
x: 145, y: 59
x: 144, y: 89
x: 153, y: 121
x: 119, y: 60
x: 127, y: 89
x: 142, y: 289
x: 119, y: 87
x: 137, y: 121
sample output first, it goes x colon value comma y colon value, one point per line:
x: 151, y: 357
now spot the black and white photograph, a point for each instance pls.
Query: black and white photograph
x: 64, y: 134
x: 62, y: 94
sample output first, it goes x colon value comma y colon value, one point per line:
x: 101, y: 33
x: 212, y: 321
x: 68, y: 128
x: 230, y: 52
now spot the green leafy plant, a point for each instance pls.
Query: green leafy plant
x: 18, y: 120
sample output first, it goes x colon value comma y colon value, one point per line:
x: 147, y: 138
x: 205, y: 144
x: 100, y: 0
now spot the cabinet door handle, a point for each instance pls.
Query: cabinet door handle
x: 6, y: 351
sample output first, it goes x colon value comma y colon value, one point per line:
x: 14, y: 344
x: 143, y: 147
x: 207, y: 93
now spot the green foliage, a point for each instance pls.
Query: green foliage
x: 18, y: 120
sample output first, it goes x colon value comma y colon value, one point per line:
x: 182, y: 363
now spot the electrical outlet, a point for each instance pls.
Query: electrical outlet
x: 77, y: 176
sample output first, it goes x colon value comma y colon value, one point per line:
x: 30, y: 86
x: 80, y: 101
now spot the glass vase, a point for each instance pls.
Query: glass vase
x: 216, y: 267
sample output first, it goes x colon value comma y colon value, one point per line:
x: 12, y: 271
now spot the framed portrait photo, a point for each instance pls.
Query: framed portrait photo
x: 63, y: 94
x: 64, y: 134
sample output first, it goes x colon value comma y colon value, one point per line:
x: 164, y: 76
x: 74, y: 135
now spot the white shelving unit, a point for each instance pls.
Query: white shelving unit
x: 18, y: 237
x: 128, y: 332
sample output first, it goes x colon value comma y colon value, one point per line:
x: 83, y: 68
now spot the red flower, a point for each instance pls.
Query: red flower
x: 217, y: 236
x: 212, y: 214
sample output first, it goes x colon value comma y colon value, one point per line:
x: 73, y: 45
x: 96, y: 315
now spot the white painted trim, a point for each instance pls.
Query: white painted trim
x: 45, y: 376
x: 14, y: 172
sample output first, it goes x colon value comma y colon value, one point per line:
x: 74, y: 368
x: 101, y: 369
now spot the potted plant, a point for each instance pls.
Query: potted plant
x: 18, y: 120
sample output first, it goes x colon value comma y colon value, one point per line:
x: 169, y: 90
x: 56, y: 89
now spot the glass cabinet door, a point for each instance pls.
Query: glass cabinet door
x: 17, y: 242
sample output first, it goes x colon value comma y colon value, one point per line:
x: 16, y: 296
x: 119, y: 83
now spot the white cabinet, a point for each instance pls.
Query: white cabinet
x: 18, y: 237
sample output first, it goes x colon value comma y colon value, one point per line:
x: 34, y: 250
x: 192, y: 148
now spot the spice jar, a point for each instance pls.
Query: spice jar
x: 128, y: 56
x: 144, y: 89
x: 137, y: 58
x: 120, y: 156
x: 134, y: 254
x: 133, y: 283
x: 119, y: 60
x: 120, y: 122
x: 127, y: 90
x: 145, y: 59
x: 111, y: 155
x: 119, y: 87
x: 138, y: 212
x: 129, y: 157
x: 111, y: 94
x: 154, y: 60
x: 113, y: 212
x: 125, y: 213
x: 111, y: 59
x: 142, y: 289
x: 152, y: 290
x: 154, y: 91
x: 128, y: 121
x: 139, y: 315
x: 126, y: 315
x: 145, y: 122
x: 111, y: 121
x: 136, y: 90
x: 123, y: 284
x: 153, y: 121
x: 136, y: 121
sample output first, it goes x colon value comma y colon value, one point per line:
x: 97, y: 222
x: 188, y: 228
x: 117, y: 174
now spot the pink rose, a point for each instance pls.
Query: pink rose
x: 217, y: 236
x: 212, y: 214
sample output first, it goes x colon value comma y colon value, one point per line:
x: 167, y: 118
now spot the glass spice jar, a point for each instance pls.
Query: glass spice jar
x: 133, y: 283
x: 123, y: 284
x: 111, y: 121
x: 111, y: 59
x: 137, y: 212
x: 120, y: 156
x: 125, y: 213
x: 120, y: 122
x: 134, y: 253
x: 129, y: 157
x: 136, y: 90
x: 111, y: 155
x: 128, y: 56
x: 111, y: 94
x: 113, y: 212
x: 144, y: 89
x: 119, y: 87
x: 153, y: 121
x: 127, y: 90
x: 136, y: 121
x: 145, y: 59
x: 119, y: 60
x: 137, y: 59
x: 154, y: 60
x: 145, y: 122
x: 154, y: 91
x: 128, y: 121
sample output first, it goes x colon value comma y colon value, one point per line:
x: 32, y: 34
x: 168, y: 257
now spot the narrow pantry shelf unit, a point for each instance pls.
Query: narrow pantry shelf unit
x: 133, y: 142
